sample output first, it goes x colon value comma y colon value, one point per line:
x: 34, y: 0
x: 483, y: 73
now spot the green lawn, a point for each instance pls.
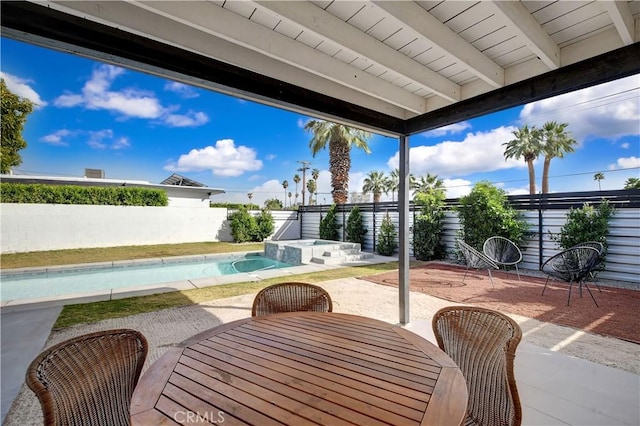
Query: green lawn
x: 97, y: 311
x: 66, y: 257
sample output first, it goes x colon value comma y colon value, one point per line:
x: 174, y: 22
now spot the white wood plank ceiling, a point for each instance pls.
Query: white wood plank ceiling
x: 400, y: 58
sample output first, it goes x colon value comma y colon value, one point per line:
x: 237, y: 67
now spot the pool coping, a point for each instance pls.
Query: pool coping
x: 113, y: 294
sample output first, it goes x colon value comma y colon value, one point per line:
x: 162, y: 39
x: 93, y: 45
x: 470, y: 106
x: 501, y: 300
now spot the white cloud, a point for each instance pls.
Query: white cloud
x: 456, y: 188
x: 625, y: 145
x: 21, y: 88
x: 477, y: 152
x: 97, y: 94
x: 104, y: 139
x: 270, y: 157
x: 57, y: 138
x: 191, y: 119
x: 223, y: 159
x: 610, y: 110
x: 451, y: 129
x: 183, y: 90
x: 625, y: 163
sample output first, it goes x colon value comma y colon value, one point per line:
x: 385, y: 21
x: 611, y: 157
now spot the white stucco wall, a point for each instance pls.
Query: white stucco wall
x: 39, y: 227
x: 36, y: 227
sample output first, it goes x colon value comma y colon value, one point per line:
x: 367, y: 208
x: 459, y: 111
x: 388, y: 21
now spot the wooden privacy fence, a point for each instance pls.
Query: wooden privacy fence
x: 546, y: 215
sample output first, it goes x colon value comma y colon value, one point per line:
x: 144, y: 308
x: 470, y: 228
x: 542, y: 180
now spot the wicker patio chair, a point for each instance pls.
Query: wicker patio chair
x: 89, y: 380
x: 483, y: 344
x: 571, y: 265
x: 593, y: 273
x: 291, y: 297
x: 503, y: 252
x: 476, y: 260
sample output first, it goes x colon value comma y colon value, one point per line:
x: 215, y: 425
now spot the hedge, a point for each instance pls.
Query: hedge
x: 92, y: 195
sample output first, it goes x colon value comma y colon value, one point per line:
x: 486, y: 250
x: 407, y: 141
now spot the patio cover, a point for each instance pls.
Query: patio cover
x: 396, y: 68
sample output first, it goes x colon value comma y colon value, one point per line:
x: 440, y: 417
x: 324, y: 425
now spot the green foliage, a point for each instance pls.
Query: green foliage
x: 632, y: 183
x: 234, y: 206
x: 14, y: 111
x: 428, y: 225
x: 265, y: 226
x: 329, y: 226
x: 245, y: 227
x: 387, y: 238
x: 273, y: 204
x: 72, y: 194
x: 486, y: 212
x: 587, y: 223
x: 355, y: 229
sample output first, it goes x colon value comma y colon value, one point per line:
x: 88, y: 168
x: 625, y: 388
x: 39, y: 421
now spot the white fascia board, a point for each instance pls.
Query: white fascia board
x: 429, y: 27
x: 325, y: 25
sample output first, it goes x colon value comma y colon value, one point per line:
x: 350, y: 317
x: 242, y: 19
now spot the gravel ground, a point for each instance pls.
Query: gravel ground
x: 167, y: 327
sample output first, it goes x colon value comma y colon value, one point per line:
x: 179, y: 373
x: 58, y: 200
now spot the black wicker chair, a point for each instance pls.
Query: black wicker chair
x: 476, y: 260
x: 571, y: 265
x: 503, y: 252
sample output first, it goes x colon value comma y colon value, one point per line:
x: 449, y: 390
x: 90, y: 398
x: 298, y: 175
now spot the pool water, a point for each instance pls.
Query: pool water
x: 54, y: 283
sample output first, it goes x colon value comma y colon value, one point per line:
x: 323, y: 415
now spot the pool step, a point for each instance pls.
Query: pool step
x: 347, y: 252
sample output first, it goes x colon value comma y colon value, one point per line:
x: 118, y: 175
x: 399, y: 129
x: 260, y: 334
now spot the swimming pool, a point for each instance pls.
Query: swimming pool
x: 60, y: 281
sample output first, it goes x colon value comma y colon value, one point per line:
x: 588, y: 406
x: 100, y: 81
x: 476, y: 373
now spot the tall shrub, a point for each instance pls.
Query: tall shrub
x: 355, y: 229
x: 329, y: 226
x: 486, y: 212
x: 587, y: 223
x: 428, y: 225
x: 265, y: 225
x: 243, y: 225
x: 387, y: 238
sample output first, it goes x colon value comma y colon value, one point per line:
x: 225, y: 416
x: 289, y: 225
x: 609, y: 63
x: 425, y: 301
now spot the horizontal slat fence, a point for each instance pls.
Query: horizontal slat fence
x: 546, y: 215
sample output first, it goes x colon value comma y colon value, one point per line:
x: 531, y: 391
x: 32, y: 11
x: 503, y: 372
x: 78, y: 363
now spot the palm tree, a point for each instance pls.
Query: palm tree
x: 296, y: 179
x: 555, y: 142
x: 290, y: 200
x: 598, y: 176
x: 285, y: 185
x: 315, y: 174
x: 375, y: 182
x: 311, y: 186
x: 525, y: 145
x: 393, y: 183
x: 250, y: 195
x: 427, y: 183
x: 632, y: 183
x: 340, y: 139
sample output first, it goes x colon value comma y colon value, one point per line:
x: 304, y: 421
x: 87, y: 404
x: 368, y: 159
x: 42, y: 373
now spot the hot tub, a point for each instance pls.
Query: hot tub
x: 297, y: 252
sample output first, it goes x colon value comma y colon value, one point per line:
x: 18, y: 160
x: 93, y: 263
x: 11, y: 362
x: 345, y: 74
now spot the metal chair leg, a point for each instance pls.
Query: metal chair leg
x: 465, y: 274
x: 545, y: 285
x: 491, y: 278
x: 518, y: 272
x: 569, y: 298
x: 591, y: 294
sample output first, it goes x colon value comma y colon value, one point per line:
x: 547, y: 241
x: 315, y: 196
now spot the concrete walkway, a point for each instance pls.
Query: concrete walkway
x: 556, y: 387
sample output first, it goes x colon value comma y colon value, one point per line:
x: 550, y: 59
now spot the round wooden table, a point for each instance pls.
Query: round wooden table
x: 303, y: 368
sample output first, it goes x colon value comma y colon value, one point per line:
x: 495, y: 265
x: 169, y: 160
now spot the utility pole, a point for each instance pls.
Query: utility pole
x: 303, y: 169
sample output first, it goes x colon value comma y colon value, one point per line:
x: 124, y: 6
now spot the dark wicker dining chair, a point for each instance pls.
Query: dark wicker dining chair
x: 483, y: 344
x: 291, y: 297
x: 475, y: 260
x: 89, y: 380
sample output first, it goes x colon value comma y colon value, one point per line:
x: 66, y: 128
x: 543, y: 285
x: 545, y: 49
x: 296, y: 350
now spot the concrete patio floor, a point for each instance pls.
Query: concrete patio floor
x: 556, y: 387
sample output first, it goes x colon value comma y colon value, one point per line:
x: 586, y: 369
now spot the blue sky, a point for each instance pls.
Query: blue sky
x: 140, y: 127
